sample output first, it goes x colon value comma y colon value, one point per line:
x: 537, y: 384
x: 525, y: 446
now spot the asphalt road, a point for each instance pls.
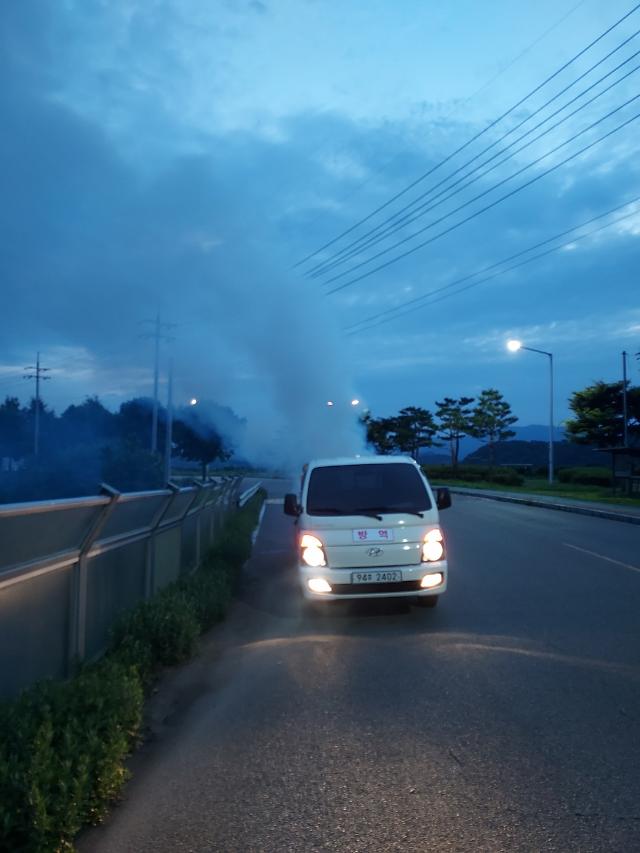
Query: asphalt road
x: 508, y: 719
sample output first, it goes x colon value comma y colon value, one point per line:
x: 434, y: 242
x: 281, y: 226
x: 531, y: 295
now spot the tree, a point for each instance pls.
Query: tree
x: 86, y: 424
x: 133, y: 422
x: 197, y: 440
x: 130, y: 468
x: 406, y: 432
x: 380, y: 432
x: 598, y: 415
x: 15, y: 439
x: 491, y: 419
x: 414, y: 428
x: 455, y: 418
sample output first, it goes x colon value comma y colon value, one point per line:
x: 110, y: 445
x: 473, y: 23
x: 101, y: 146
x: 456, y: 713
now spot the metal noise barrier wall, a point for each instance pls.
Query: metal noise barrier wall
x: 69, y: 567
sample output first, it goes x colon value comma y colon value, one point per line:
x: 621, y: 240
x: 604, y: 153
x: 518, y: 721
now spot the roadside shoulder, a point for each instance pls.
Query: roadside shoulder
x: 625, y: 514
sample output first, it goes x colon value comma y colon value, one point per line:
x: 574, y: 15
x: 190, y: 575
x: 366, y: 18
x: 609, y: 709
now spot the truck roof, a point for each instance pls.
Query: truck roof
x: 360, y: 460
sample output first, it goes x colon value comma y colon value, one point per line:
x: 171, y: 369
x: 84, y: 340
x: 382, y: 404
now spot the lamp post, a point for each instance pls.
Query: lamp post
x: 515, y: 346
x: 625, y: 410
x: 168, y: 446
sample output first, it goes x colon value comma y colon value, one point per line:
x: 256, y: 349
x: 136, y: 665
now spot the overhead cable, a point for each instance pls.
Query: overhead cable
x: 476, y: 136
x: 398, y: 220
x: 487, y: 207
x: 411, y: 304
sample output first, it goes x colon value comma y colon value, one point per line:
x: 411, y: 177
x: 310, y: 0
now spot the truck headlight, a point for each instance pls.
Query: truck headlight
x: 312, y: 551
x: 319, y: 585
x: 433, y: 546
x: 432, y: 580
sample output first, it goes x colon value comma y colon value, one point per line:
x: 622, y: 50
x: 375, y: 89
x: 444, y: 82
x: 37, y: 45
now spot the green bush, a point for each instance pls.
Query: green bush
x: 159, y: 632
x: 61, y: 755
x: 210, y: 592
x: 475, y: 474
x: 586, y: 476
x: 63, y: 745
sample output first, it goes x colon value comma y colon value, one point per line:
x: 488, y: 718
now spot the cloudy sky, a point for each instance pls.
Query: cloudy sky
x: 182, y: 156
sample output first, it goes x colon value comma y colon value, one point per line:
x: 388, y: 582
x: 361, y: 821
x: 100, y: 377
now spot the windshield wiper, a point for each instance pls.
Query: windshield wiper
x: 397, y: 510
x: 332, y: 510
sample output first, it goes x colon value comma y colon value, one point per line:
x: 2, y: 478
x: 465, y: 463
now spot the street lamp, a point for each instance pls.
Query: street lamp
x: 354, y: 402
x: 516, y: 346
x: 193, y: 401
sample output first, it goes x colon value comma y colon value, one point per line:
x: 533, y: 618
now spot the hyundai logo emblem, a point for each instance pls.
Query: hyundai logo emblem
x: 374, y: 552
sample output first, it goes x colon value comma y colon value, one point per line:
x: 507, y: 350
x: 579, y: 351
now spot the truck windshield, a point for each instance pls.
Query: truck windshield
x: 362, y: 489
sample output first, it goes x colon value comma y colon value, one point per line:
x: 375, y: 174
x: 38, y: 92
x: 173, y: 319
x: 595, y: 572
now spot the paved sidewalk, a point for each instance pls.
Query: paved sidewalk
x: 617, y: 512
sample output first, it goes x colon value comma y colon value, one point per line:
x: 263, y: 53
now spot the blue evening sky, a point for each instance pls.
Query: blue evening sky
x: 182, y: 155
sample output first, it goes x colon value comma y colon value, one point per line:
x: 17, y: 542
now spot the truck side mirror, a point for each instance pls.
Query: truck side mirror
x: 443, y: 498
x: 291, y: 506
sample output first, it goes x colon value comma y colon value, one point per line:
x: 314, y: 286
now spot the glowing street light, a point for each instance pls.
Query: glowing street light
x: 193, y: 401
x: 516, y: 346
x: 332, y: 403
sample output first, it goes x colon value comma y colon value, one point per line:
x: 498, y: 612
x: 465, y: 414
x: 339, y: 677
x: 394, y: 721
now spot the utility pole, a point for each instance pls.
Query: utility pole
x: 156, y: 369
x: 38, y: 377
x: 551, y: 428
x: 625, y: 410
x: 158, y: 334
x: 169, y: 430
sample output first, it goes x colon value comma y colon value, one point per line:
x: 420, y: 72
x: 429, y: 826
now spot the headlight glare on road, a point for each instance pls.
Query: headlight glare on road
x: 319, y: 585
x: 312, y: 552
x: 433, y: 547
x: 431, y: 580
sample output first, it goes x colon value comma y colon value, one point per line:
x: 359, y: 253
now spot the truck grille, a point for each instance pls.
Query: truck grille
x: 373, y: 588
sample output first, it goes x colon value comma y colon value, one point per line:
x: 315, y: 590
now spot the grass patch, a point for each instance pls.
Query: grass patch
x: 63, y: 745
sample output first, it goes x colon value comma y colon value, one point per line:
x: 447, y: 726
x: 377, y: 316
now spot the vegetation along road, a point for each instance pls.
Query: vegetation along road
x: 506, y: 720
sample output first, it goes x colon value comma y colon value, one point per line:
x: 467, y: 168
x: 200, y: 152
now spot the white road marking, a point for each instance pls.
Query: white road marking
x: 602, y: 557
x: 260, y: 517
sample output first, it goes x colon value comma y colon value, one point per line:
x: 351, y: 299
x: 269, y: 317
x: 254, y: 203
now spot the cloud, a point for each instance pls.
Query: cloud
x: 135, y: 183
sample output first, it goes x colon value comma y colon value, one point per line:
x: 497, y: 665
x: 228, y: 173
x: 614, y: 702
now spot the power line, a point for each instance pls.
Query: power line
x: 487, y: 207
x: 426, y: 301
x: 472, y: 139
x: 462, y: 103
x: 379, y: 232
x: 483, y: 193
x: 524, y: 52
x: 369, y: 322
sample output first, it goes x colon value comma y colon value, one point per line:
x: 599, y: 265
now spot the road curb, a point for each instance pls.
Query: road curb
x: 579, y: 510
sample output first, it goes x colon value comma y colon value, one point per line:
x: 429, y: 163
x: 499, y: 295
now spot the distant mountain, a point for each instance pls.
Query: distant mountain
x: 514, y: 452
x: 533, y: 432
x: 434, y: 457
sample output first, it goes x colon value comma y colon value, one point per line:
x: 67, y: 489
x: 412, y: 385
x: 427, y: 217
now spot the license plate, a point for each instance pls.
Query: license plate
x: 377, y: 576
x: 373, y: 534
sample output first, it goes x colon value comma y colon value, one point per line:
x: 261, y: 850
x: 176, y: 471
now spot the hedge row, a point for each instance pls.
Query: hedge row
x: 586, y: 476
x: 475, y: 474
x: 63, y: 745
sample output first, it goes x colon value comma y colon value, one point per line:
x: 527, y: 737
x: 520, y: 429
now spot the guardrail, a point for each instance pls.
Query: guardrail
x: 69, y: 567
x: 248, y: 494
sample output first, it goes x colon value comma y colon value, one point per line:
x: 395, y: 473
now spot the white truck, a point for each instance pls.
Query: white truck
x: 368, y: 527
